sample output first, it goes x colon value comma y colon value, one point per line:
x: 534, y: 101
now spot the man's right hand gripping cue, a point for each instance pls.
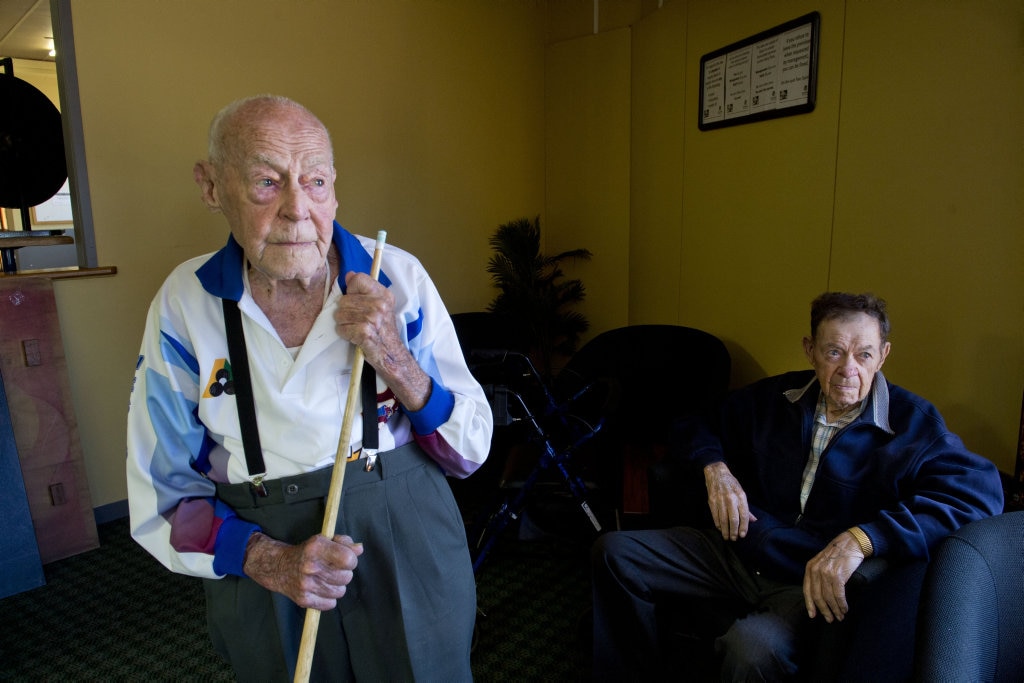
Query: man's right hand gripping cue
x: 727, y: 501
x: 313, y: 574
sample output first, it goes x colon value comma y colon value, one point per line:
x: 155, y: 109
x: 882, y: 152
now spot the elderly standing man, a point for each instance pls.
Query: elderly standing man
x: 236, y: 495
x: 807, y: 473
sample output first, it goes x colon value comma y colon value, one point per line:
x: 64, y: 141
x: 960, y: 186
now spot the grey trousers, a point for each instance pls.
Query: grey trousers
x: 408, y: 613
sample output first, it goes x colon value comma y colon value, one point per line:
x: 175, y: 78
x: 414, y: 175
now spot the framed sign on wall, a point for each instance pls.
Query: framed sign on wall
x: 768, y: 75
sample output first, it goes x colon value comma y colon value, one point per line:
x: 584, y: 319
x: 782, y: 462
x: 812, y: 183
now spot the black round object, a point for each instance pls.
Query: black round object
x: 32, y: 163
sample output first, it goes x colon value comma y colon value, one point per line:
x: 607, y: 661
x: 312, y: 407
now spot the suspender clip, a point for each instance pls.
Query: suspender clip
x: 258, y: 487
x: 371, y: 459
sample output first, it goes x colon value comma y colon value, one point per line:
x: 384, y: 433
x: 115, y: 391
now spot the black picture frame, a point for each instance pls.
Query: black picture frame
x: 768, y: 75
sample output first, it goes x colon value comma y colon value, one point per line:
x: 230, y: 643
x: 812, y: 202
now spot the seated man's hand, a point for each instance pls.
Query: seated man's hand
x: 826, y: 575
x: 728, y: 502
x: 313, y: 574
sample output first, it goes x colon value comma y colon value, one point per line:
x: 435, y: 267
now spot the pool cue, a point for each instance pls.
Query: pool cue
x: 312, y: 623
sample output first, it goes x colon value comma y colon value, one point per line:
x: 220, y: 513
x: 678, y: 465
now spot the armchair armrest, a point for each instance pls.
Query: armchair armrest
x: 876, y: 639
x: 870, y: 570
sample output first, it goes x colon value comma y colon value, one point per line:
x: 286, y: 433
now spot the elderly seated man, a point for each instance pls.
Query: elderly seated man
x: 808, y: 473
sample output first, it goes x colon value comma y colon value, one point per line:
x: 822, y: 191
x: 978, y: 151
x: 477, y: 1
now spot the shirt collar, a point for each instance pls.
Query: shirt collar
x: 221, y: 274
x: 877, y: 410
x: 821, y: 413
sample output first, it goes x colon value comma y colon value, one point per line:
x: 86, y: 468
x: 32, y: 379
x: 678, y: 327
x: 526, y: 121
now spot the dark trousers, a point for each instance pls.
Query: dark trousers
x: 758, y: 625
x: 408, y: 613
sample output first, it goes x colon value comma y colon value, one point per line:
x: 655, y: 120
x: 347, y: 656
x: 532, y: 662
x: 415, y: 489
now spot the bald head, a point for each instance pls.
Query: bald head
x: 238, y: 121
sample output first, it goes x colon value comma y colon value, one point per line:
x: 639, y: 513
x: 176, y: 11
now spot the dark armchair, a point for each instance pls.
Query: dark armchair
x: 875, y: 642
x: 652, y: 373
x: 971, y: 620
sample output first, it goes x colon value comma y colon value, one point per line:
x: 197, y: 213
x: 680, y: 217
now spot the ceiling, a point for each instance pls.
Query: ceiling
x: 25, y: 29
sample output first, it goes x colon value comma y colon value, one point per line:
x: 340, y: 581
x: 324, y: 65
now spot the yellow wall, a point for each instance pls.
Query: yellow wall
x: 931, y: 169
x: 436, y: 111
x: 656, y: 167
x: 757, y: 198
x: 905, y: 180
x: 40, y: 75
x: 587, y: 168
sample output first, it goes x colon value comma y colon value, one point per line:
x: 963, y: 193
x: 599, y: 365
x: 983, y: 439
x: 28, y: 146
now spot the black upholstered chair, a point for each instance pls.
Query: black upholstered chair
x: 657, y: 371
x: 971, y: 619
x: 653, y: 374
x: 483, y: 330
x: 875, y: 642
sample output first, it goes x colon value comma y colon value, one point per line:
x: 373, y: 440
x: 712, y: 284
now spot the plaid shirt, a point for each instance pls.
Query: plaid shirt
x: 820, y: 438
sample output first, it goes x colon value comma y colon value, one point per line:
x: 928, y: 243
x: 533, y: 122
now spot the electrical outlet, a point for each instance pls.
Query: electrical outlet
x: 33, y: 356
x: 57, y: 496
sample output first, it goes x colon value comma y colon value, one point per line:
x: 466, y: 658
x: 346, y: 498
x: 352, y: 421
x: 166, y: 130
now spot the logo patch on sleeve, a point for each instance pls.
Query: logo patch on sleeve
x: 221, y: 381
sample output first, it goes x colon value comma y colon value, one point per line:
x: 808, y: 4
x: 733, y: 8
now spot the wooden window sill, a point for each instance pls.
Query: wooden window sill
x: 64, y: 273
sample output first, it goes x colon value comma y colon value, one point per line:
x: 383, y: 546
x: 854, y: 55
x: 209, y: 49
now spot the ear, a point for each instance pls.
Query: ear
x: 886, y: 347
x: 809, y: 349
x: 204, y: 176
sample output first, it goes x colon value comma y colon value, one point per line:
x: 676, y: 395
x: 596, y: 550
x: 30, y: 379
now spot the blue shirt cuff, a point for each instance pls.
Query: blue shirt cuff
x: 435, y: 413
x: 229, y: 548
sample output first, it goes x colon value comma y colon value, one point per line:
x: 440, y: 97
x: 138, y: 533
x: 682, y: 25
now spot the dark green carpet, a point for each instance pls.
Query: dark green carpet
x: 115, y: 614
x: 111, y: 614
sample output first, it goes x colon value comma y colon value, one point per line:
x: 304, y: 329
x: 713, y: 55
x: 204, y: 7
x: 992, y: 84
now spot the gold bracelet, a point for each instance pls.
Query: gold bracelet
x: 863, y: 541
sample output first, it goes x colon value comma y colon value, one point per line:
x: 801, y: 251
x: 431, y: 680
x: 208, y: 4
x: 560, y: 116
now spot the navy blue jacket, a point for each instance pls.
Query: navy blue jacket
x: 896, y: 471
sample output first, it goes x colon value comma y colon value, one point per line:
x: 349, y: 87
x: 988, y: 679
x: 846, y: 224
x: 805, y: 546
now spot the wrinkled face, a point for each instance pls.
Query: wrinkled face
x: 845, y: 354
x: 276, y: 189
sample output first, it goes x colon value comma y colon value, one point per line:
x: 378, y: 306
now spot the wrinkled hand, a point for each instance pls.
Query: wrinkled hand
x: 826, y: 575
x: 314, y: 574
x: 727, y: 501
x: 366, y: 317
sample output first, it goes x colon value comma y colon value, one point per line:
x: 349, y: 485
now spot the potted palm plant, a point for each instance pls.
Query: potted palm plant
x: 534, y: 297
